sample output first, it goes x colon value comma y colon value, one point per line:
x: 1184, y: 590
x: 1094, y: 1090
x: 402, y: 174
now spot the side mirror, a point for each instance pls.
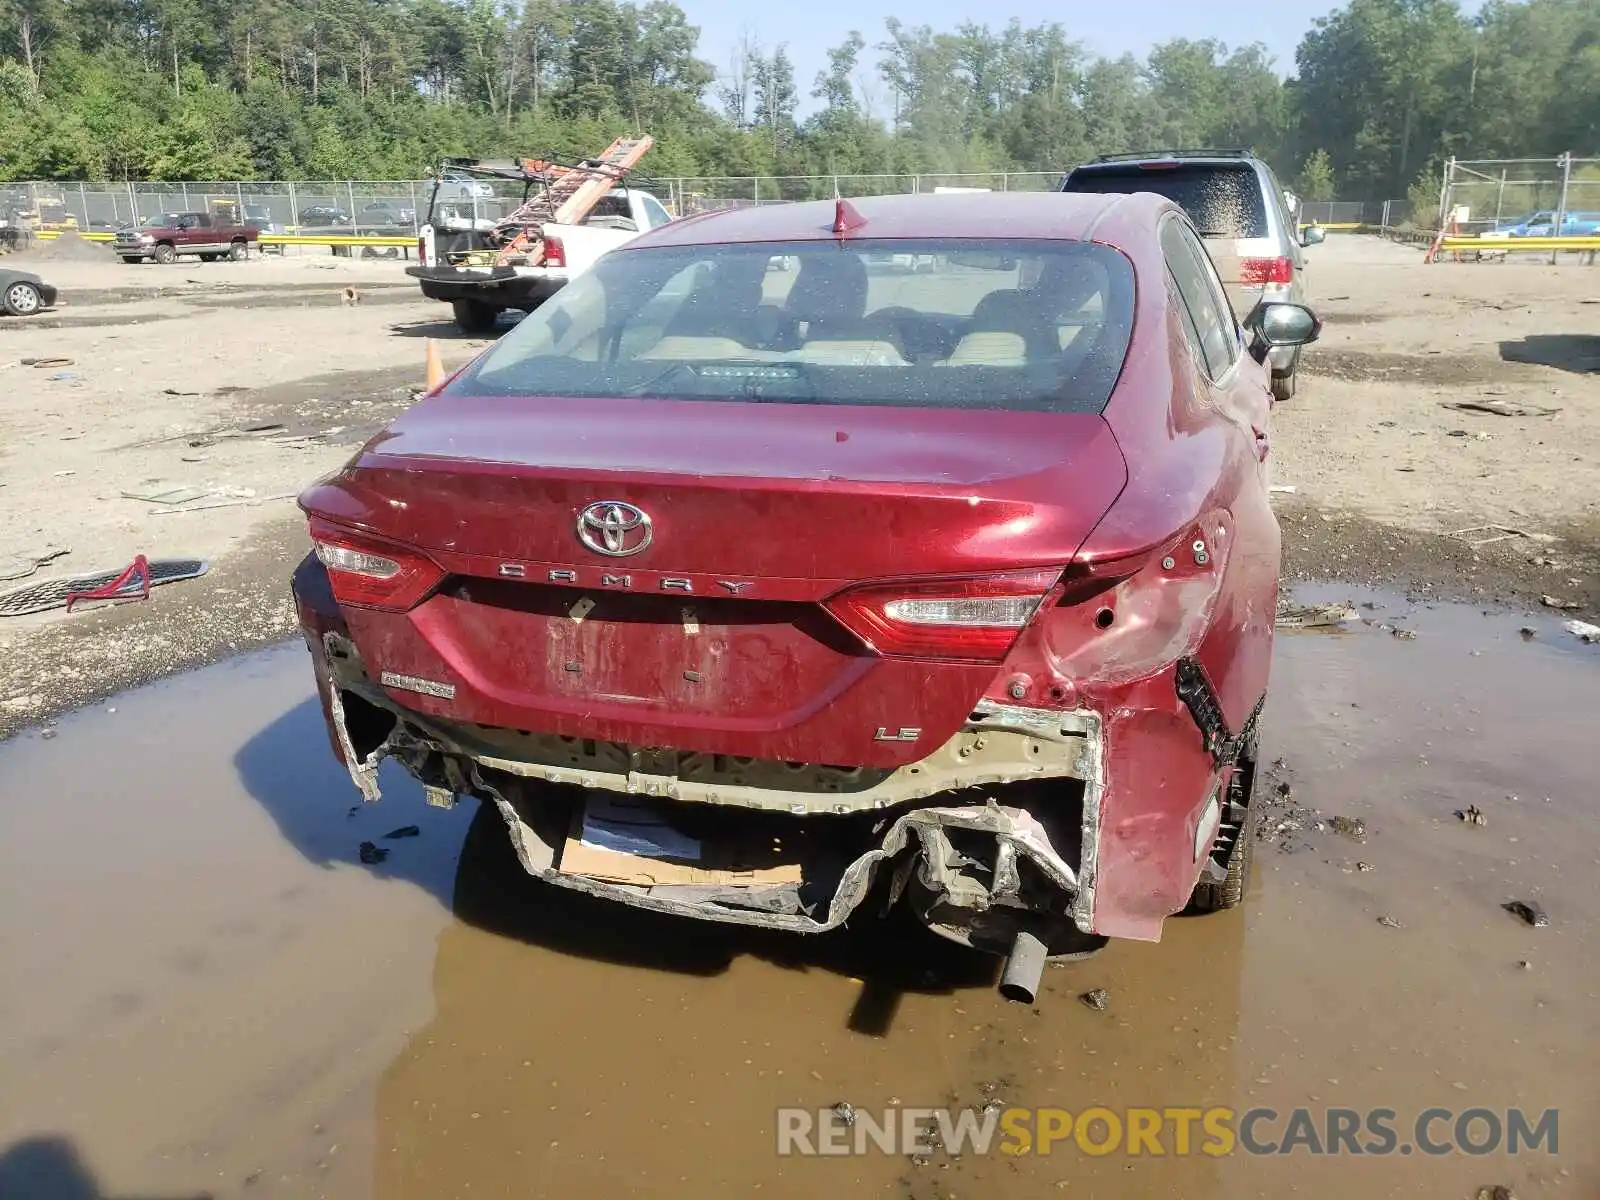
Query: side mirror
x: 1313, y: 235
x: 1273, y: 324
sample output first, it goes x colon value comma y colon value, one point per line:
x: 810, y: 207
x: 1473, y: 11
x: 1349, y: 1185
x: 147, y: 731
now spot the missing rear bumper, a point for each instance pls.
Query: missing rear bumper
x: 992, y: 833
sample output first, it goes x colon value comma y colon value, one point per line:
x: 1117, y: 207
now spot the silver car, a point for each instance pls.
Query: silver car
x: 1239, y: 207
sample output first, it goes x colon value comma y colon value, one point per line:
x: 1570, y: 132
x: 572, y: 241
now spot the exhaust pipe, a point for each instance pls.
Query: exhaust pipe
x: 1024, y: 967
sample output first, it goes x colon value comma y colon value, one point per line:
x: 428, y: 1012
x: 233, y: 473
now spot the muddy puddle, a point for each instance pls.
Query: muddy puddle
x: 206, y: 992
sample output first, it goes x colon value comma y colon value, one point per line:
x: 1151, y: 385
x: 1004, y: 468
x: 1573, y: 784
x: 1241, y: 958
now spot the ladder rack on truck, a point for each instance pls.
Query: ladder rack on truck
x: 566, y: 198
x: 483, y: 252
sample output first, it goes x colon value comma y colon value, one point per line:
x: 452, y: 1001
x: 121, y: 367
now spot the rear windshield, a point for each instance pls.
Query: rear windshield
x: 1222, y: 201
x: 1032, y: 325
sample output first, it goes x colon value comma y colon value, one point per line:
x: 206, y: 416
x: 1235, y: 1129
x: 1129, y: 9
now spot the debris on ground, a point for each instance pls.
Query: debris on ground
x: 1096, y: 998
x: 1500, y: 533
x: 1472, y: 815
x: 1529, y: 911
x: 846, y: 1112
x: 130, y: 583
x: 1557, y: 603
x: 1315, y: 616
x: 20, y: 566
x: 251, y: 501
x: 372, y: 854
x: 174, y: 494
x: 1350, y: 827
x: 1524, y: 965
x: 1280, y: 818
x: 1583, y: 631
x: 1500, y: 408
x: 1389, y: 922
x: 1498, y: 1192
x: 405, y: 831
x: 1528, y: 633
x: 1404, y: 635
x: 1363, y: 866
x: 47, y: 732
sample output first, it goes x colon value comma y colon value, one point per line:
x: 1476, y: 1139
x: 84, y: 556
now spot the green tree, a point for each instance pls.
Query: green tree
x: 1316, y: 178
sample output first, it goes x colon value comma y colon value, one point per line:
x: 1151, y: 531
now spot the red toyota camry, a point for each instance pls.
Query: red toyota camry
x: 755, y: 575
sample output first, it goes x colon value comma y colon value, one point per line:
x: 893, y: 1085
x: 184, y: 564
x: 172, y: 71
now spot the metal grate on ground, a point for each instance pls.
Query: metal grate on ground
x: 53, y: 593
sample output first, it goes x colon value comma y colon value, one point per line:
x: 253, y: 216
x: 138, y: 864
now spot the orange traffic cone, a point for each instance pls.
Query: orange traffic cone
x: 435, y: 368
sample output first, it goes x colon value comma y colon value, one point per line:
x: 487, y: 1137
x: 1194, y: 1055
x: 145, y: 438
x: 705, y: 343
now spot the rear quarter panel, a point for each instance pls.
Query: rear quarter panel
x: 1191, y: 458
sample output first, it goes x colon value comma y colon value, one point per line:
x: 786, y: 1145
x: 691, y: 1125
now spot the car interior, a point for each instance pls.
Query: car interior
x: 1029, y: 312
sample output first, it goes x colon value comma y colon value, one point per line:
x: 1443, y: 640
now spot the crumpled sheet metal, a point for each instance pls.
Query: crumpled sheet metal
x: 1016, y: 831
x: 780, y: 907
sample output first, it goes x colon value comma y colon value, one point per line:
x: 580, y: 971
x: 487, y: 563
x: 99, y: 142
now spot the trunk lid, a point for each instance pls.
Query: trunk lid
x: 712, y: 637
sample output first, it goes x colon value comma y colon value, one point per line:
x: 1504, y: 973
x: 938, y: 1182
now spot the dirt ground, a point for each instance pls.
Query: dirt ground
x: 240, y: 383
x: 1391, y: 485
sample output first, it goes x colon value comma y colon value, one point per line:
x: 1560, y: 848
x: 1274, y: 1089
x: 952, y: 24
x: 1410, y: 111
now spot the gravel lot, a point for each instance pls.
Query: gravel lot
x: 172, y: 367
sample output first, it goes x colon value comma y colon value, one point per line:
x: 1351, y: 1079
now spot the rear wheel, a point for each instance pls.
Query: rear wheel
x: 474, y: 316
x: 22, y: 299
x: 237, y: 251
x: 165, y: 254
x: 1226, y: 877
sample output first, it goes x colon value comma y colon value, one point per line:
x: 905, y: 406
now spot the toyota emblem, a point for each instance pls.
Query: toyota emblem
x: 615, y: 529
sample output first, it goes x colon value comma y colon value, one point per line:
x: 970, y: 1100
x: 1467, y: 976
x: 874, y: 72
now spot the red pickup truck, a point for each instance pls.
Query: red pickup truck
x: 165, y: 237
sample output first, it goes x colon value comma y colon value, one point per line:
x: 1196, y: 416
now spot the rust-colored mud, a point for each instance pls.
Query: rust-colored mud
x: 203, y: 990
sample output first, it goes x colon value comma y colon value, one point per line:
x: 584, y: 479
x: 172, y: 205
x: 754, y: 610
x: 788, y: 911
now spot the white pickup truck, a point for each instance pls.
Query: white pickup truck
x: 479, y: 294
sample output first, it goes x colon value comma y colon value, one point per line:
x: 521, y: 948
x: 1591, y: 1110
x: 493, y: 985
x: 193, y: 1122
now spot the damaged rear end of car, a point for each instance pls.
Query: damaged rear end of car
x: 776, y: 610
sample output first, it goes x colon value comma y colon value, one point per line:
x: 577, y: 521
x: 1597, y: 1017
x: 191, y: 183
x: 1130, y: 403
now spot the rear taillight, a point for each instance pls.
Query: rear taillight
x: 555, y: 254
x: 976, y: 619
x: 422, y: 251
x: 1254, y: 272
x: 371, y: 572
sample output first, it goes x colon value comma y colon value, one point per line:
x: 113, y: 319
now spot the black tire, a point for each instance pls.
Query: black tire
x: 22, y: 299
x: 1226, y: 879
x: 238, y: 251
x: 208, y: 258
x: 1283, y: 386
x: 166, y: 254
x: 474, y: 316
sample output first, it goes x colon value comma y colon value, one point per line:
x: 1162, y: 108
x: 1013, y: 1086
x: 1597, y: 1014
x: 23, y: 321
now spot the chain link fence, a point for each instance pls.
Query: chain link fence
x: 367, y: 206
x: 1528, y: 197
x: 342, y: 207
x: 398, y: 206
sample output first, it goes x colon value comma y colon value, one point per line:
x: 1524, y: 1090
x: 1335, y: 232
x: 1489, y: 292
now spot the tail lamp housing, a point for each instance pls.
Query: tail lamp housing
x: 1257, y: 272
x: 974, y: 619
x: 1122, y: 620
x: 371, y: 572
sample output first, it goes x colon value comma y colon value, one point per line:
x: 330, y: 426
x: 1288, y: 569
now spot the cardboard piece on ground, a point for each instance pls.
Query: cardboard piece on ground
x: 621, y: 840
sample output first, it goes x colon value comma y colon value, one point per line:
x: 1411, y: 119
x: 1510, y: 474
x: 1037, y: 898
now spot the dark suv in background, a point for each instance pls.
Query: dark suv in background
x: 1238, y: 205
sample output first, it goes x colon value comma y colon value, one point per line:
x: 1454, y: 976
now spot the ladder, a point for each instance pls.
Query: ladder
x: 566, y: 198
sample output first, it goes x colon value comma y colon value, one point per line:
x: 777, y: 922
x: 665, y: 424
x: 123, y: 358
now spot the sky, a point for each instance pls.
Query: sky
x: 1107, y: 29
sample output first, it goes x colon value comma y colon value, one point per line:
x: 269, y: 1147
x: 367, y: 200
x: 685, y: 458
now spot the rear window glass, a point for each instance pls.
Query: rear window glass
x: 1030, y: 325
x: 1222, y: 201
